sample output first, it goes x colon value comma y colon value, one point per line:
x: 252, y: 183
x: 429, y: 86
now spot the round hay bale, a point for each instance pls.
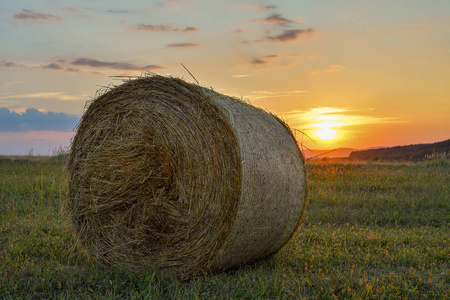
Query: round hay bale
x: 167, y: 173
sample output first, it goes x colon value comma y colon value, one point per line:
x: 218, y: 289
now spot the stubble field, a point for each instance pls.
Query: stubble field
x: 371, y: 230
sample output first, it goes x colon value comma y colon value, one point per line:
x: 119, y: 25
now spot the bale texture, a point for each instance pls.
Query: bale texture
x: 167, y: 173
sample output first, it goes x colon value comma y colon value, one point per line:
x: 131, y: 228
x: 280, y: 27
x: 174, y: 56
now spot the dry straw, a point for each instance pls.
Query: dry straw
x: 167, y: 173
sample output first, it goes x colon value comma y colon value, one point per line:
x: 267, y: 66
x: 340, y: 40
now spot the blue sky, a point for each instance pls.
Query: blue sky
x: 370, y: 73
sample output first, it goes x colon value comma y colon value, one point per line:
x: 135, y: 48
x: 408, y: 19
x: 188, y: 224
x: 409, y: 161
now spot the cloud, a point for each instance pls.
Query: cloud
x: 331, y: 117
x: 189, y: 29
x: 35, y: 120
x: 14, y: 82
x: 272, y: 56
x: 149, y: 27
x: 10, y: 64
x: 262, y: 61
x: 35, y: 17
x: 256, y: 95
x: 182, y: 45
x: 275, y: 19
x: 289, y: 35
x: 91, y: 62
x: 163, y: 28
x: 242, y: 75
x: 258, y: 62
x: 53, y: 66
x: 258, y: 7
x: 330, y: 69
x: 47, y: 95
x: 73, y: 70
x: 120, y: 11
x: 71, y: 9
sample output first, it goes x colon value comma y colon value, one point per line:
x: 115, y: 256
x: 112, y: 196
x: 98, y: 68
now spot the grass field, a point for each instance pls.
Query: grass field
x: 372, y: 231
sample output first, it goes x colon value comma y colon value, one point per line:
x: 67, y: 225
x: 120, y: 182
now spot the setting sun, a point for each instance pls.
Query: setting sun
x: 326, y: 134
x: 326, y: 131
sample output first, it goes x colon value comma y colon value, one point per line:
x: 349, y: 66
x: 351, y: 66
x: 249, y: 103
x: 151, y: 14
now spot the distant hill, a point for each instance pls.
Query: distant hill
x: 336, y: 153
x: 404, y: 153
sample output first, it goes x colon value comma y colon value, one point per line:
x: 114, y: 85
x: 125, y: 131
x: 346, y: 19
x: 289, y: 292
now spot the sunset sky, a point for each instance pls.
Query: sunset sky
x: 347, y: 73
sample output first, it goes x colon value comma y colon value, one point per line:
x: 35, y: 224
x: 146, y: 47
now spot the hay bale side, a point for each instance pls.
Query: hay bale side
x: 273, y: 189
x: 167, y: 173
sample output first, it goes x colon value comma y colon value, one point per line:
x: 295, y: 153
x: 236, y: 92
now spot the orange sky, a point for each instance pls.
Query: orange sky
x: 347, y: 73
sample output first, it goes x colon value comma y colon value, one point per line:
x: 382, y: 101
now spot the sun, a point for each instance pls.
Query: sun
x: 325, y: 130
x: 326, y: 134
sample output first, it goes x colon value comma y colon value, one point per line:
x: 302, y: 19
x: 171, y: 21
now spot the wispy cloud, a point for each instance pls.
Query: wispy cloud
x: 149, y: 27
x: 46, y: 95
x: 242, y: 75
x: 329, y: 69
x: 14, y: 82
x: 332, y: 117
x: 275, y: 19
x: 190, y: 29
x: 72, y: 65
x: 258, y: 7
x: 182, y: 45
x: 287, y: 35
x: 33, y: 119
x: 120, y: 11
x: 95, y: 63
x: 81, y: 12
x: 290, y: 35
x: 164, y: 28
x: 272, y: 56
x: 10, y: 64
x: 263, y: 61
x: 73, y: 70
x: 30, y: 16
x: 71, y: 9
x: 258, y: 62
x: 262, y: 94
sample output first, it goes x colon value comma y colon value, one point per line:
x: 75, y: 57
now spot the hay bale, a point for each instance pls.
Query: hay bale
x: 163, y: 172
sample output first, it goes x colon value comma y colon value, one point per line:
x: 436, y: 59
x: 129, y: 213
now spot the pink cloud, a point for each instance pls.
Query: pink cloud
x: 329, y: 69
x: 71, y: 9
x: 73, y: 70
x: 258, y: 7
x: 10, y: 64
x: 163, y: 28
x: 35, y: 17
x: 182, y: 45
x: 275, y: 19
x: 264, y: 61
x: 53, y: 66
x: 258, y: 62
x: 95, y: 63
x: 289, y: 35
x: 272, y: 56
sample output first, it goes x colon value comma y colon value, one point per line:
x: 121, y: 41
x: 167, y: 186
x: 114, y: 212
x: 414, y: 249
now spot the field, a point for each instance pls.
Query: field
x: 372, y: 230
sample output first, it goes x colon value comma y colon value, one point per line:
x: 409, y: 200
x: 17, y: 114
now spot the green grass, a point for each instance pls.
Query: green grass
x: 376, y: 231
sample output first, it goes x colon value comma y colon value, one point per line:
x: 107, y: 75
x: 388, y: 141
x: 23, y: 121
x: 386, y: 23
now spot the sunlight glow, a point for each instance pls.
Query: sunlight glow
x: 325, y: 131
x: 335, y: 126
x: 326, y: 134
